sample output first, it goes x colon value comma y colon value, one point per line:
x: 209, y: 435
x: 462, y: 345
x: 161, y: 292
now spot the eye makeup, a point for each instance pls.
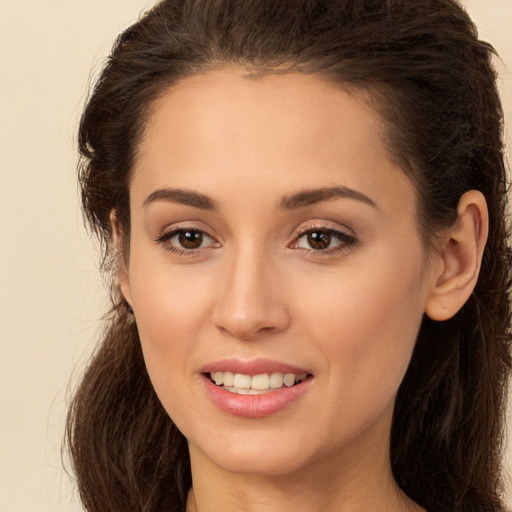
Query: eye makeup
x: 318, y: 239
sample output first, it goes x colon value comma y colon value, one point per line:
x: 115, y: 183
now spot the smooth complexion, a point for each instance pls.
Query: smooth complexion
x: 270, y: 229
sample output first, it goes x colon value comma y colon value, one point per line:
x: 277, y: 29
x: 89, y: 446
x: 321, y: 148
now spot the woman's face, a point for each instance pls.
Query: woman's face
x: 272, y: 241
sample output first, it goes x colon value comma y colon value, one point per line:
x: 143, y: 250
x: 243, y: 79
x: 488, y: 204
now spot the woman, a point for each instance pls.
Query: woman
x: 302, y: 206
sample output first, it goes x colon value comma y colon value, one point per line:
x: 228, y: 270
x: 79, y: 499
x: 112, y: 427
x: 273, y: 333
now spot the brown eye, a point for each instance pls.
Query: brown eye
x: 319, y: 240
x: 190, y: 239
x: 187, y: 242
x: 324, y: 240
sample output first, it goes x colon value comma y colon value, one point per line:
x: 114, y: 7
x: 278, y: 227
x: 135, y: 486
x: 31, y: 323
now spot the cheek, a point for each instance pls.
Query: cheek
x: 170, y: 307
x: 169, y: 315
x: 365, y: 326
x: 170, y: 304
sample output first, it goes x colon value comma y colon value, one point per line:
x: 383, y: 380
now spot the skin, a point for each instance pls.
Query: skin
x: 256, y: 287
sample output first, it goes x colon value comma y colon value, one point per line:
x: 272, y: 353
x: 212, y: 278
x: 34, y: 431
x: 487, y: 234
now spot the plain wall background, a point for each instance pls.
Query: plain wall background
x: 51, y: 296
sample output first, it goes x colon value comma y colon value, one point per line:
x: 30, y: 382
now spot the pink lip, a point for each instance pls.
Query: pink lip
x: 251, y: 367
x: 253, y: 406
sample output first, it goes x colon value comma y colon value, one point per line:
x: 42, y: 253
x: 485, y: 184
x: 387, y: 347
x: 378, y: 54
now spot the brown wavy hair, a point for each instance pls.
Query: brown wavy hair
x: 432, y: 82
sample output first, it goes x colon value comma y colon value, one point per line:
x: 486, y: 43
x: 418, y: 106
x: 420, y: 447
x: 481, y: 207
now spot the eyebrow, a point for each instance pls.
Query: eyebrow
x: 317, y: 195
x: 290, y: 202
x: 181, y: 196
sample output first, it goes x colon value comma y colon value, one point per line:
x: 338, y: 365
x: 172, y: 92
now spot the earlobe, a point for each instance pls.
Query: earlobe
x: 460, y: 256
x: 120, y: 257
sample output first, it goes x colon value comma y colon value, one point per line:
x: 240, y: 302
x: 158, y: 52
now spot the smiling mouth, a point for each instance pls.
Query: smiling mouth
x: 243, y: 384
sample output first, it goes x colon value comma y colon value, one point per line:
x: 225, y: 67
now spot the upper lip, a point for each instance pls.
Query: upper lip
x: 252, y: 367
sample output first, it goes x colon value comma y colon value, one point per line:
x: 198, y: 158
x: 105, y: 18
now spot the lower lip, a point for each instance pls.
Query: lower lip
x: 255, y: 406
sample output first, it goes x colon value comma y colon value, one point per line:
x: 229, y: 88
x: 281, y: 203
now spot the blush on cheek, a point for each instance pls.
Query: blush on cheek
x: 169, y: 312
x: 374, y: 334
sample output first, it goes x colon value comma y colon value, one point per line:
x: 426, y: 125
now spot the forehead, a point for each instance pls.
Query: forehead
x: 291, y: 130
x: 230, y: 102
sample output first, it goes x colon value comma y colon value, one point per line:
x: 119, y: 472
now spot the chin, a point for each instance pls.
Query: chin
x: 255, y: 455
x: 259, y: 461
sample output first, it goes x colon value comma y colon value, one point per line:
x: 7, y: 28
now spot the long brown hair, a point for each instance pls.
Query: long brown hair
x: 433, y: 83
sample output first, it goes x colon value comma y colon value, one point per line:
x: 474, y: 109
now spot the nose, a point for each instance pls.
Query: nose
x: 250, y: 303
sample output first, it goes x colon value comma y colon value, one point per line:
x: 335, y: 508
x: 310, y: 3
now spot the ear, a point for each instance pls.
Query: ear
x: 460, y: 256
x: 120, y: 256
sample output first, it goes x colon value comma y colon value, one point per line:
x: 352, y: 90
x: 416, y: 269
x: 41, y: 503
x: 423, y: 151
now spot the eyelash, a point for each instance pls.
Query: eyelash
x: 165, y: 237
x: 345, y: 240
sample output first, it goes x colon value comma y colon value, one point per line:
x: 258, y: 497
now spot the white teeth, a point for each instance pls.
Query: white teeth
x: 229, y: 379
x: 250, y: 385
x: 289, y: 380
x: 242, y: 381
x: 260, y: 381
x: 276, y: 380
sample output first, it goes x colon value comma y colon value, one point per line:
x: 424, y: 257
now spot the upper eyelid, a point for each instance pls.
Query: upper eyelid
x: 169, y: 231
x: 346, y: 235
x: 325, y: 226
x: 342, y: 234
x: 327, y: 230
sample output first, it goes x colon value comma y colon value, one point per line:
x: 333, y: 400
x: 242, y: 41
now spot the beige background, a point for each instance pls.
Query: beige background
x: 51, y: 296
